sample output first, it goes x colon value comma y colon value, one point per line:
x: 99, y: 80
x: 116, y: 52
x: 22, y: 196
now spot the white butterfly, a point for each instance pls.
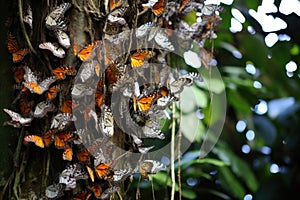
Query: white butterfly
x: 121, y: 174
x: 162, y: 39
x: 28, y: 18
x: 55, y: 191
x: 88, y: 70
x: 143, y: 29
x: 39, y: 88
x: 54, y: 48
x: 107, y: 121
x: 61, y: 120
x: 152, y: 129
x: 80, y: 90
x: 177, y: 86
x: 63, y: 38
x: 43, y: 108
x: 16, y: 119
x: 54, y: 19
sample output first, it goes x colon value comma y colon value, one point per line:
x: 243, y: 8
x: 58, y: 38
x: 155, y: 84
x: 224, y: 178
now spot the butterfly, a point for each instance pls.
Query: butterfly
x: 80, y: 90
x: 107, y: 121
x: 43, y: 108
x: 138, y: 58
x: 54, y: 19
x: 63, y: 38
x: 48, y: 138
x: 61, y: 120
x: 114, y: 4
x: 68, y: 106
x: 16, y: 119
x: 159, y: 7
x: 25, y: 106
x: 109, y: 191
x: 176, y: 86
x: 28, y: 18
x: 55, y: 191
x: 52, y: 92
x: 19, y: 74
x: 83, y: 155
x: 162, y: 40
x: 37, y: 140
x: 40, y: 88
x: 183, y: 4
x: 86, y: 52
x: 91, y: 173
x: 112, y: 73
x: 82, y: 196
x: 99, y: 95
x: 61, y: 72
x: 61, y: 139
x: 13, y: 47
x: 102, y: 169
x: 68, y: 153
x: 55, y: 49
x: 142, y: 30
x: 150, y: 167
x: 96, y: 189
x: 121, y: 174
x: 151, y: 129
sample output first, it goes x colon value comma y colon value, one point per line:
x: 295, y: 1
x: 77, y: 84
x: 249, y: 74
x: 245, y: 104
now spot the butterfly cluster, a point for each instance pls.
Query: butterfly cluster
x: 117, y: 87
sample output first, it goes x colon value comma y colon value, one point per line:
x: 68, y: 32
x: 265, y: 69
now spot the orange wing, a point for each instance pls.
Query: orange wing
x: 99, y: 92
x: 12, y: 44
x: 60, y: 72
x: 86, y: 52
x: 37, y: 140
x: 91, y: 173
x: 68, y: 153
x: 145, y: 103
x: 183, y: 4
x: 112, y: 73
x: 96, y: 190
x: 68, y: 106
x: 82, y: 196
x: 114, y: 4
x: 159, y: 7
x: 25, y: 107
x: 83, y: 156
x: 48, y: 139
x: 19, y: 55
x: 52, y: 92
x: 102, y: 170
x: 34, y: 86
x: 61, y: 139
x: 138, y: 58
x: 19, y: 74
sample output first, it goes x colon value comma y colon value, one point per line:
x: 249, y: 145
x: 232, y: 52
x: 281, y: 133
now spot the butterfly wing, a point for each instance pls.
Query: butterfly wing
x: 44, y: 85
x: 107, y: 122
x: 19, y: 55
x: 37, y: 140
x: 159, y: 7
x: 102, y: 170
x: 12, y: 44
x: 91, y: 173
x: 68, y: 153
x: 52, y: 92
x: 86, y: 53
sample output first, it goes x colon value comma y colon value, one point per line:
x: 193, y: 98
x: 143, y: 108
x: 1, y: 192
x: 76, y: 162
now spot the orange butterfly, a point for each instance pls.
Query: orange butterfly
x: 82, y: 196
x: 61, y: 72
x: 112, y: 73
x: 12, y: 46
x: 19, y: 74
x: 83, y: 155
x: 68, y: 106
x: 37, y: 140
x: 91, y: 173
x: 99, y: 93
x: 68, y: 153
x: 96, y: 189
x: 86, y: 52
x: 48, y: 138
x: 25, y: 106
x: 114, y: 4
x: 138, y: 58
x: 144, y: 103
x: 183, y: 4
x: 159, y: 7
x: 61, y: 139
x: 102, y: 169
x: 52, y: 92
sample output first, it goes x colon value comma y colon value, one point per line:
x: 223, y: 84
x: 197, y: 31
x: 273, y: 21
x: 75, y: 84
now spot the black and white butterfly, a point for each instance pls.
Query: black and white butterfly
x: 16, y: 119
x: 54, y: 20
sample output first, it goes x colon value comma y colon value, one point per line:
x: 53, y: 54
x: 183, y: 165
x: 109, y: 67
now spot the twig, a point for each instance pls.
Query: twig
x: 173, y: 152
